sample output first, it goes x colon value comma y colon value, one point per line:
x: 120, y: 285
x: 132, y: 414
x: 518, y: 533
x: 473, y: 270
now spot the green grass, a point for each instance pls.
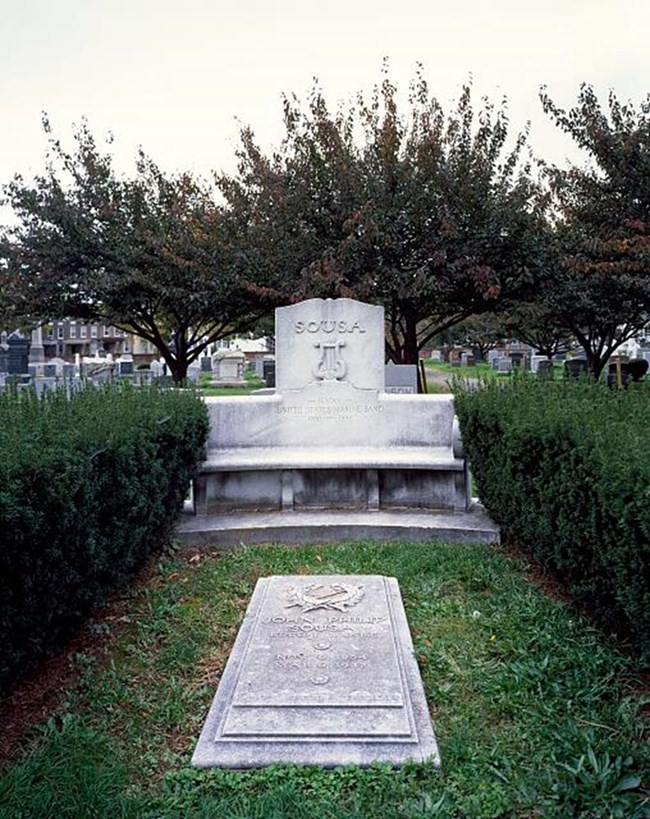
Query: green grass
x: 252, y: 383
x: 435, y: 371
x: 481, y: 368
x: 536, y: 716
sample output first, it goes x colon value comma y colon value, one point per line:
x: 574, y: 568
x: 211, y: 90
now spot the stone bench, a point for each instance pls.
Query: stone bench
x: 273, y: 452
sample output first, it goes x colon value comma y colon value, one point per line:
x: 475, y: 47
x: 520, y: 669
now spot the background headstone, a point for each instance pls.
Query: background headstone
x: 268, y: 372
x: 575, y: 367
x: 125, y: 366
x: 535, y: 360
x: 228, y: 366
x: 36, y: 349
x: 637, y: 368
x: 194, y: 373
x: 157, y: 368
x: 401, y: 378
x: 41, y: 385
x: 18, y: 354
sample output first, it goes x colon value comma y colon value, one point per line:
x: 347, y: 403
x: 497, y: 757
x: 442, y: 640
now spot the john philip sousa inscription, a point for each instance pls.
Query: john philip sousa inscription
x: 322, y: 672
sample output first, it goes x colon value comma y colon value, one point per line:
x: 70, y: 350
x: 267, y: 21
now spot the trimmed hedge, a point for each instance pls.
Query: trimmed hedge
x: 564, y: 468
x: 90, y: 486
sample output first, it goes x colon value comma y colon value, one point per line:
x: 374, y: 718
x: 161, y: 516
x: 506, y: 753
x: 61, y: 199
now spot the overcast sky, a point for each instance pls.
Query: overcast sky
x: 176, y: 76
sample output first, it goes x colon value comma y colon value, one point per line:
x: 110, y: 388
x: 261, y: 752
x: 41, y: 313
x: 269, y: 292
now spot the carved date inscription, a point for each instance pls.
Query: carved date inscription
x: 322, y: 654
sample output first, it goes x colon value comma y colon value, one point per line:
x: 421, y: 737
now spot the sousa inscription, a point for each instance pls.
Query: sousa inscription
x: 328, y: 326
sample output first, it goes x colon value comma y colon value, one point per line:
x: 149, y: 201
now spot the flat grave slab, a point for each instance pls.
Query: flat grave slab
x: 322, y: 673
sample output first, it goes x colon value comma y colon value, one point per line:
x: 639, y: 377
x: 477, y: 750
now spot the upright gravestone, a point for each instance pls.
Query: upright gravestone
x: 535, y: 361
x: 228, y: 367
x: 517, y: 358
x: 125, y: 366
x: 36, y: 349
x: 575, y: 367
x: 18, y: 354
x: 504, y: 365
x: 322, y: 672
x: 268, y: 372
x: 493, y: 358
x: 401, y: 378
x: 335, y: 342
x: 194, y: 373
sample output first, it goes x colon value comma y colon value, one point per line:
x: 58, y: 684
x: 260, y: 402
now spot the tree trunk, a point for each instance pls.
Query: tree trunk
x: 177, y: 362
x: 595, y: 362
x: 410, y: 348
x: 178, y: 367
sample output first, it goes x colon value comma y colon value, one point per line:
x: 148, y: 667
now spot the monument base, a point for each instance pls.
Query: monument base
x: 322, y: 672
x: 333, y: 526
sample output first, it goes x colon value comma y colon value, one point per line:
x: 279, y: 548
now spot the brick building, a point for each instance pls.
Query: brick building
x: 64, y: 339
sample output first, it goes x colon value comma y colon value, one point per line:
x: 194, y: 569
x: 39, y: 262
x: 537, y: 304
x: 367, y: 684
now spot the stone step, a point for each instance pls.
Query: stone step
x: 327, y: 526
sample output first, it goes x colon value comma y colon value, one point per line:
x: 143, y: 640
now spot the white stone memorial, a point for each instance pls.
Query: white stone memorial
x: 330, y: 440
x: 228, y: 367
x: 322, y: 673
x: 330, y: 436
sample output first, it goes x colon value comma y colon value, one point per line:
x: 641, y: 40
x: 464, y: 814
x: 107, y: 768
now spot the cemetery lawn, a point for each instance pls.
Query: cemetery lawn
x: 537, y: 714
x: 252, y: 383
x: 480, y: 370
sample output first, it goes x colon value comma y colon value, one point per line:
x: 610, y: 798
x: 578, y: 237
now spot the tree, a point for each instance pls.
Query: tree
x: 602, y: 288
x: 534, y: 323
x: 481, y: 333
x: 153, y: 255
x: 6, y: 302
x: 425, y: 214
x: 484, y: 332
